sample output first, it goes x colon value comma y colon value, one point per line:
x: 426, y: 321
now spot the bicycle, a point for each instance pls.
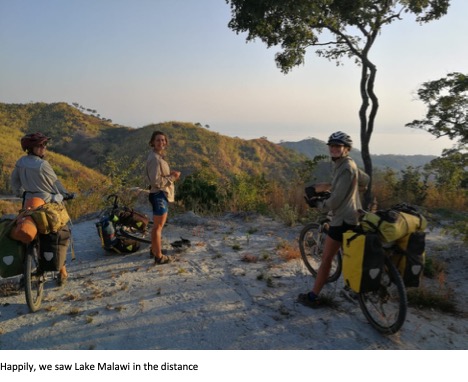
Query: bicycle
x: 122, y: 227
x: 385, y: 308
x: 34, y: 277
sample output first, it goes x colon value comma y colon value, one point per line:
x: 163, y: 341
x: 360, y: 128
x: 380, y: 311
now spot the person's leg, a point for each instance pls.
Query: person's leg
x: 156, y: 235
x: 330, y: 250
x: 160, y: 210
x: 331, y: 247
x: 62, y: 276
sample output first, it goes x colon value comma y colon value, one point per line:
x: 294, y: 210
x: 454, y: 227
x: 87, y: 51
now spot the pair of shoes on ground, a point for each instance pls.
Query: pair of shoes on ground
x: 309, y: 299
x: 181, y: 243
x: 162, y: 260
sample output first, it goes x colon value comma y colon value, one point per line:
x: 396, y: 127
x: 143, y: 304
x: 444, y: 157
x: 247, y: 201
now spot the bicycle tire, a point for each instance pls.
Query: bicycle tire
x: 34, y: 279
x: 311, y: 241
x: 385, y: 309
x: 135, y: 234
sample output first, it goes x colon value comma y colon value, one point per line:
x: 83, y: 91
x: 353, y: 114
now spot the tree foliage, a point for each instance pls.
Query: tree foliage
x: 336, y: 29
x: 447, y: 107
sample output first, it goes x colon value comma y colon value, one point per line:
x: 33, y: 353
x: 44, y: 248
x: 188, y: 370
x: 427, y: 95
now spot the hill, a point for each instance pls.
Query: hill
x: 104, y: 147
x: 85, y: 146
x: 14, y: 123
x: 313, y: 147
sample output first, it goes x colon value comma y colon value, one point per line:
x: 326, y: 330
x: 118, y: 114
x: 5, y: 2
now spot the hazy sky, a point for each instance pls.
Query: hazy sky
x: 147, y: 61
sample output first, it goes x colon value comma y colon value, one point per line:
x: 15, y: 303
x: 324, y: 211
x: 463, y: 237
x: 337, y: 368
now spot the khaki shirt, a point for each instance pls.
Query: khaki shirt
x: 157, y: 172
x: 344, y: 200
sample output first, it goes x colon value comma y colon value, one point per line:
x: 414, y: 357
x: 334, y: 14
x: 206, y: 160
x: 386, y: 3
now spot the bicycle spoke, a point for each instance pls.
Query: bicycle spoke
x: 385, y: 309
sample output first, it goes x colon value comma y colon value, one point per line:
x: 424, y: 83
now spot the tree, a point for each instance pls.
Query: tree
x: 447, y: 111
x: 447, y: 108
x: 337, y: 29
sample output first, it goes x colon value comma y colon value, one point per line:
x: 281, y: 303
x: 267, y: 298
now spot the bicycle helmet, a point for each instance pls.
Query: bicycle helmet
x: 340, y: 138
x: 29, y: 141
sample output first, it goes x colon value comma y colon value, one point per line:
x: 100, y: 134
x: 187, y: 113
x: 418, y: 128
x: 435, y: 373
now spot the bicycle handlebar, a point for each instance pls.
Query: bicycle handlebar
x: 114, y: 203
x: 69, y: 196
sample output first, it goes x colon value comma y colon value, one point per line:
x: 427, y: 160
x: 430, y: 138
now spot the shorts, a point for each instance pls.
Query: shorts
x: 336, y: 232
x: 159, y: 203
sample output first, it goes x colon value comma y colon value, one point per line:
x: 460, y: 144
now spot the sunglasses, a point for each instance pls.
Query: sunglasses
x: 42, y: 145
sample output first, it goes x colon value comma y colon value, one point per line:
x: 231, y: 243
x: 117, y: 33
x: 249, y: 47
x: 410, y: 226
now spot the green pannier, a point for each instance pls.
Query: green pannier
x: 363, y: 261
x: 11, y: 251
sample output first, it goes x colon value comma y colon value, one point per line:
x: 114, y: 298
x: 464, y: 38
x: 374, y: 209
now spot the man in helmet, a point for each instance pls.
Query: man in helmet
x: 33, y: 177
x: 344, y: 202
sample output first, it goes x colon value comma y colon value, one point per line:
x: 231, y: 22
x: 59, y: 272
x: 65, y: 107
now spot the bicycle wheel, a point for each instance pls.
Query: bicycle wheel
x: 385, y: 309
x: 34, y: 279
x: 311, y: 242
x: 133, y: 233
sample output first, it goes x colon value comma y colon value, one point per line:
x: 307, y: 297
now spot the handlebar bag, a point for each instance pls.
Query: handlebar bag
x: 56, y: 215
x: 11, y: 251
x: 363, y: 261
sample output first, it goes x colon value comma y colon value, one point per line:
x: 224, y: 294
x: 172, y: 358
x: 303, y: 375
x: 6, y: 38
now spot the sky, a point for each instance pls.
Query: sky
x: 139, y: 62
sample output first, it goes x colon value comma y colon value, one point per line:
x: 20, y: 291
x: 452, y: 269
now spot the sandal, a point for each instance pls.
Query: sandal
x: 151, y: 255
x: 162, y: 260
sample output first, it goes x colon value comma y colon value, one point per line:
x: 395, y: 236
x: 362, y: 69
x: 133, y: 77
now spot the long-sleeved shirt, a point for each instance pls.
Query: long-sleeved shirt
x: 344, y: 200
x: 35, y: 176
x: 158, y: 174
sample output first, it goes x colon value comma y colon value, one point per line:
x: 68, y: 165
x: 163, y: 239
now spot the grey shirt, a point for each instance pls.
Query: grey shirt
x: 35, y: 176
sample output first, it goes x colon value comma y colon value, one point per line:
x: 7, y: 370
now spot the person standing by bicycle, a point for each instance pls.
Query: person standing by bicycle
x: 161, y: 180
x: 344, y: 203
x: 34, y: 177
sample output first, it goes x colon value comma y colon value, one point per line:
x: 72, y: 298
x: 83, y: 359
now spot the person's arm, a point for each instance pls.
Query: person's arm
x: 51, y: 178
x: 15, y: 183
x: 340, y: 190
x: 363, y: 180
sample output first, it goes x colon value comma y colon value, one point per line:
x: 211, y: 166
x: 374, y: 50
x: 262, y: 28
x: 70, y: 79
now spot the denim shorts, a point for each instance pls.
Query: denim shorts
x: 159, y: 203
x: 336, y: 232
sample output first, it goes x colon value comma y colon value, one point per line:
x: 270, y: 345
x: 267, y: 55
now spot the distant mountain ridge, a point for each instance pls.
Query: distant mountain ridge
x: 313, y: 147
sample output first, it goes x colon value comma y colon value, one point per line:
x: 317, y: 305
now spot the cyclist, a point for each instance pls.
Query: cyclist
x: 161, y: 181
x: 344, y: 202
x: 33, y: 177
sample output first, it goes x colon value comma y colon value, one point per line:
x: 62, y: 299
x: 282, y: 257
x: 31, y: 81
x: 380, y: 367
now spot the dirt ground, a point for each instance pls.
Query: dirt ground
x: 211, y: 298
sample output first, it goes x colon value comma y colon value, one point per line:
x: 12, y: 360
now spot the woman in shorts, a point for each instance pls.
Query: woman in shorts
x: 344, y: 203
x: 161, y: 180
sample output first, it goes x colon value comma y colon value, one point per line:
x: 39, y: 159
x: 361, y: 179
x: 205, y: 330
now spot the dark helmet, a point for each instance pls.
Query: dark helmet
x: 340, y: 138
x: 32, y: 140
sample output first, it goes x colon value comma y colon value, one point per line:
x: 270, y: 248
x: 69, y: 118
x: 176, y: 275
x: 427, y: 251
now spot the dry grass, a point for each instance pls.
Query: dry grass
x: 9, y: 288
x: 426, y: 298
x: 288, y: 251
